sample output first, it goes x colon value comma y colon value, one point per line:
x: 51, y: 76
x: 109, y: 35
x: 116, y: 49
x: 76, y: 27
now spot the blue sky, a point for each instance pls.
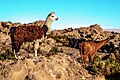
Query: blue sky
x: 71, y: 13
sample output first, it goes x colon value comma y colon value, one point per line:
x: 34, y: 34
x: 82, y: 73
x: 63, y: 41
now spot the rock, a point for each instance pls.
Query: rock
x: 99, y: 77
x: 18, y: 71
x: 16, y: 24
x: 56, y: 67
x: 61, y: 66
x: 39, y: 23
x: 47, y: 45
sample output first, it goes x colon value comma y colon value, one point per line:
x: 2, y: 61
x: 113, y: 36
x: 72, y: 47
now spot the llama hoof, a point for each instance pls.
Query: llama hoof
x: 35, y: 55
x: 84, y: 66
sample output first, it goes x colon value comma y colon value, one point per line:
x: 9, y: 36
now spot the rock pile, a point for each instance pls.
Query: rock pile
x: 93, y: 32
x: 59, y: 66
x: 4, y: 34
x: 58, y: 59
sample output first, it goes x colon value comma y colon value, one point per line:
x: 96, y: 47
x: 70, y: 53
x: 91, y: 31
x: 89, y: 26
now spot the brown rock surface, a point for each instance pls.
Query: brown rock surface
x: 59, y: 66
x: 63, y: 65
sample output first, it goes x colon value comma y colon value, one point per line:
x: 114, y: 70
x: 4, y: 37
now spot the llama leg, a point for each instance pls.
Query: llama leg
x: 81, y: 56
x: 15, y: 50
x: 84, y: 60
x: 35, y: 52
x: 42, y: 39
x: 92, y: 58
x: 15, y: 54
x: 36, y: 46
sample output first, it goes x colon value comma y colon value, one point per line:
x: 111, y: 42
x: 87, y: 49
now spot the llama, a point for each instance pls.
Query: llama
x: 24, y: 33
x: 89, y: 48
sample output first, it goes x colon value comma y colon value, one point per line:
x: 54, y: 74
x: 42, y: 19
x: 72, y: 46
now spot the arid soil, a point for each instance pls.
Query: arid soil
x: 58, y: 55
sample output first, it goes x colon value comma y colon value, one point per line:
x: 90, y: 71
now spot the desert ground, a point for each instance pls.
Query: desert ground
x: 58, y: 55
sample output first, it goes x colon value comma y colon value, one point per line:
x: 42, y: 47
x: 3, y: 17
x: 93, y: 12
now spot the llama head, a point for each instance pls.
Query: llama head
x: 52, y: 16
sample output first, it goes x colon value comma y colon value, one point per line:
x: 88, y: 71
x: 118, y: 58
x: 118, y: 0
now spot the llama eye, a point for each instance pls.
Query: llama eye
x: 52, y: 16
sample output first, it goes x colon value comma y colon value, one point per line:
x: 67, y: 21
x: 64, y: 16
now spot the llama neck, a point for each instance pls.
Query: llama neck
x: 48, y: 23
x: 100, y: 44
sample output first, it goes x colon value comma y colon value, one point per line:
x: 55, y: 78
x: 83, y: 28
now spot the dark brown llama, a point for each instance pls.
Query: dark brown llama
x: 89, y: 48
x: 25, y: 33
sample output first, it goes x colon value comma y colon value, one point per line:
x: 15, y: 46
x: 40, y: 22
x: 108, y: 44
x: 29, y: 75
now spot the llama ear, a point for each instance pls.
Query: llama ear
x: 51, y: 13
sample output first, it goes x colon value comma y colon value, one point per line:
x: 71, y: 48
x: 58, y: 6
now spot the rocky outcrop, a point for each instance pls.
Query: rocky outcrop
x: 59, y: 66
x: 4, y: 33
x: 93, y: 32
x: 58, y: 58
x: 44, y: 46
x: 39, y: 23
